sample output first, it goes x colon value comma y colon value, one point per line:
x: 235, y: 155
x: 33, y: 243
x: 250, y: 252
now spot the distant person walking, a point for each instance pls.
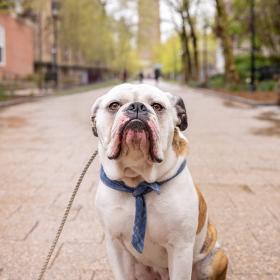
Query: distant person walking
x: 124, y: 76
x: 157, y: 74
x: 141, y: 77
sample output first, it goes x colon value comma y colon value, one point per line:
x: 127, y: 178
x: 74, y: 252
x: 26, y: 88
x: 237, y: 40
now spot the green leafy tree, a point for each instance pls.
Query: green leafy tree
x: 222, y: 29
x: 169, y: 55
x: 188, y: 36
x: 125, y: 57
x: 6, y: 4
x: 85, y: 29
x: 267, y: 25
x: 96, y: 37
x: 193, y: 35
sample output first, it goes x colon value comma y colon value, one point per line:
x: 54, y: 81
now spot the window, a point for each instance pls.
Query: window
x: 2, y: 46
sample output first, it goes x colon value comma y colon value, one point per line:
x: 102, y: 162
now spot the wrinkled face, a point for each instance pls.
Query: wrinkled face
x: 137, y: 120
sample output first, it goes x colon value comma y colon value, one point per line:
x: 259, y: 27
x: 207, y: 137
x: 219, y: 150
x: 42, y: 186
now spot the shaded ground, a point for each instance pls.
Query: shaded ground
x: 271, y: 118
x: 234, y: 157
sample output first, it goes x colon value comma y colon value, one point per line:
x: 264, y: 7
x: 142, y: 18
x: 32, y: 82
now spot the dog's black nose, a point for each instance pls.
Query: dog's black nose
x: 137, y: 107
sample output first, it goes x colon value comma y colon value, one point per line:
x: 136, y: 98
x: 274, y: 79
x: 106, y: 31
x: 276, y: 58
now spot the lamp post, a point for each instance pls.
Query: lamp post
x: 253, y: 46
x: 54, y: 68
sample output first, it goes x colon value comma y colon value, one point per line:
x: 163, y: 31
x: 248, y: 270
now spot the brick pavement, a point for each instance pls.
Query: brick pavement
x: 234, y: 157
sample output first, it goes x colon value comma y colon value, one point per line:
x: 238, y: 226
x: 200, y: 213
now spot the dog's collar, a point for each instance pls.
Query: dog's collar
x: 143, y: 188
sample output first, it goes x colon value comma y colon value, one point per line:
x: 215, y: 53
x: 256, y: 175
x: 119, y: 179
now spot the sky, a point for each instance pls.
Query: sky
x: 203, y: 8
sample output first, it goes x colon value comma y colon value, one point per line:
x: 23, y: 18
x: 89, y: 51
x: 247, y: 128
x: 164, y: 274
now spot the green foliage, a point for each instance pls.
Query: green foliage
x: 216, y: 81
x: 25, y: 4
x: 6, y: 4
x: 169, y: 55
x: 97, y: 38
x: 267, y: 24
x: 3, y: 95
x: 125, y: 57
x: 269, y: 85
x: 243, y: 64
x: 85, y: 30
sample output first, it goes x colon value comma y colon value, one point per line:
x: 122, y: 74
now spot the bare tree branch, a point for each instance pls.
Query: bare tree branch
x: 102, y: 2
x: 171, y: 4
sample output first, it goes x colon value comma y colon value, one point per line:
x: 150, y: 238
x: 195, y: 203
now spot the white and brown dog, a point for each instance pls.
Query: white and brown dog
x: 155, y: 219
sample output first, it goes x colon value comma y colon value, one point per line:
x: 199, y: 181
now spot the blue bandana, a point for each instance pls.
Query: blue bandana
x: 143, y: 188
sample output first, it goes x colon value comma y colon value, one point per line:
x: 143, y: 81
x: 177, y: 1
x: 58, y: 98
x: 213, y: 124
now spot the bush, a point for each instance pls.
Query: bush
x: 243, y: 64
x: 269, y: 85
x: 3, y: 95
x: 238, y: 87
x: 216, y: 81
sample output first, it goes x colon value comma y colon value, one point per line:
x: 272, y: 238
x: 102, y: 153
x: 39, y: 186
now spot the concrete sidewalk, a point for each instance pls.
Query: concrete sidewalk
x: 234, y: 157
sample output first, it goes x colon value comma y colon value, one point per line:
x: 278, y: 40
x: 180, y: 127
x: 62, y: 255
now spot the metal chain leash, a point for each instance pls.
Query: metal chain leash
x: 65, y: 216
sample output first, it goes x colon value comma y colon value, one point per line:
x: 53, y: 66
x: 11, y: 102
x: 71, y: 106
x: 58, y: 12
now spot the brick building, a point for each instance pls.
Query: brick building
x: 71, y: 69
x: 29, y: 38
x: 16, y: 47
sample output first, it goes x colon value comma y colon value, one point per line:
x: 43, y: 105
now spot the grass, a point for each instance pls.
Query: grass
x: 86, y: 88
x: 3, y: 94
x: 73, y: 90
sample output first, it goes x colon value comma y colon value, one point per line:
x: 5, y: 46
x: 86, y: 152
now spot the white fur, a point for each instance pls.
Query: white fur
x: 171, y: 244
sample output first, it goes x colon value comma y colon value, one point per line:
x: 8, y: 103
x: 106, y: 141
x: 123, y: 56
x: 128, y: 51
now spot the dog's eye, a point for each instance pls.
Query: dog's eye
x: 114, y: 106
x: 158, y: 107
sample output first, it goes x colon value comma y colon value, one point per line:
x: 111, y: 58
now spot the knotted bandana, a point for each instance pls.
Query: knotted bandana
x: 140, y: 220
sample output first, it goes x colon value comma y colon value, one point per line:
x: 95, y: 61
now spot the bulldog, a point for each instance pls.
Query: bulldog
x: 155, y: 219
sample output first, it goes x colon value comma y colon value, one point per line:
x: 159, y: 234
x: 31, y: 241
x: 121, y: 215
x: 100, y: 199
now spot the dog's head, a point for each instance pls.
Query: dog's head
x: 139, y: 120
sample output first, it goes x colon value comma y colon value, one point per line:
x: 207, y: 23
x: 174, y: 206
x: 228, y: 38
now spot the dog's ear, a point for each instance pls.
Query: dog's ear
x: 180, y: 143
x: 94, y: 110
x: 181, y: 113
x: 94, y: 129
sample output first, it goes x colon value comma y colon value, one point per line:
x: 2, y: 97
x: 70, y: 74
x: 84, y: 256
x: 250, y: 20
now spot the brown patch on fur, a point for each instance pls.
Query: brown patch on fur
x: 179, y: 144
x: 210, y: 240
x: 214, y: 264
x: 202, y: 208
x: 219, y: 266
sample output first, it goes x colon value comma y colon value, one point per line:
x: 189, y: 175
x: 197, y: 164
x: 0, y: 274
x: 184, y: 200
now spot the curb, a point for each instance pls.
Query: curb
x: 16, y: 101
x: 238, y: 99
x: 228, y: 97
x: 20, y: 100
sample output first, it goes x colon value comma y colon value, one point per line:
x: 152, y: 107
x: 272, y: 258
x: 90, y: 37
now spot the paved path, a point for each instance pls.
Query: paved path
x: 234, y: 157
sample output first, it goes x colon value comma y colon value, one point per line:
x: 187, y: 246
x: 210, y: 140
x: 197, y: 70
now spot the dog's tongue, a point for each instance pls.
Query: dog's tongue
x: 135, y: 136
x: 136, y: 139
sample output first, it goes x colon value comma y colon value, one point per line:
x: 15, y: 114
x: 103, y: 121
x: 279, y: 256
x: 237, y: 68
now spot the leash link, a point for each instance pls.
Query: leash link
x: 65, y: 216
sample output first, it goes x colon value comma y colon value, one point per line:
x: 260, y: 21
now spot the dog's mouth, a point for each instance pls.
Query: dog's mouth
x: 136, y: 125
x: 138, y: 134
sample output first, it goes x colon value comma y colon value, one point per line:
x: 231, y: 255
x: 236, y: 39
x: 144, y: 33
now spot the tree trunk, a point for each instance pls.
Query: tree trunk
x: 278, y: 90
x: 186, y: 56
x: 194, y: 40
x: 231, y: 74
